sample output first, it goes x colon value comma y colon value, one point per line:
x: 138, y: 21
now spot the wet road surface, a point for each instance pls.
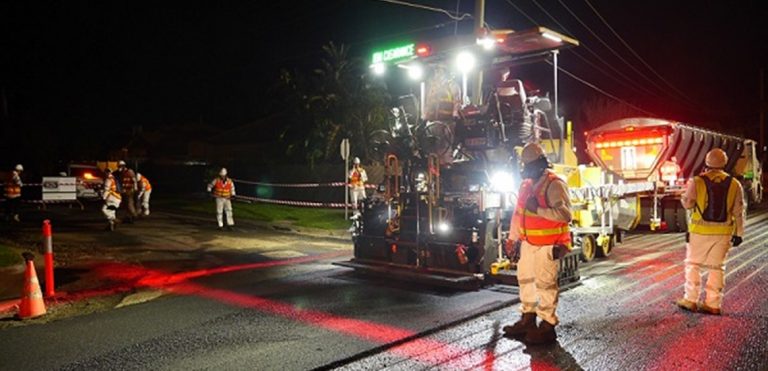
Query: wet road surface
x: 306, y: 313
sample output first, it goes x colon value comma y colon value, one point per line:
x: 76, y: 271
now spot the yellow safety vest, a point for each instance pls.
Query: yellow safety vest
x: 698, y: 224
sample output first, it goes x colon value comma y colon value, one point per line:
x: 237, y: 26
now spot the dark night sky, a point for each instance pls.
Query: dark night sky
x: 162, y: 63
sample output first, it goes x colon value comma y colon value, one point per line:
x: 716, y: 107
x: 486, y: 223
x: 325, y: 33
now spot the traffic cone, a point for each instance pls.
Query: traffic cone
x: 32, y: 304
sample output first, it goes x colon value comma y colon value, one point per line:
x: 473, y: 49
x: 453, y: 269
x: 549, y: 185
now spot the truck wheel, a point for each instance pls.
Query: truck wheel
x: 607, y: 248
x: 588, y: 248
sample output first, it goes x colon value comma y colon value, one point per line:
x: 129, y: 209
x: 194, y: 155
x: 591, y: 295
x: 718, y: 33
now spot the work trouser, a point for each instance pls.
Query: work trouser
x: 537, y: 278
x: 12, y: 206
x: 109, y: 208
x: 145, y: 201
x: 224, y: 205
x: 357, y: 194
x: 706, y: 252
x: 130, y: 203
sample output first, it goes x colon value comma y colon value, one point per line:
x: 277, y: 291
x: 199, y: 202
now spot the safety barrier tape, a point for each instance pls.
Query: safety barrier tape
x: 299, y: 185
x: 43, y: 184
x: 292, y: 203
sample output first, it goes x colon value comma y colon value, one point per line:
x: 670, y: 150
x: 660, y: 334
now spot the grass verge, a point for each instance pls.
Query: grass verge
x: 328, y: 219
x: 9, y: 256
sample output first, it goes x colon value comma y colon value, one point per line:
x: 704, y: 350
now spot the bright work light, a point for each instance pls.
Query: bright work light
x: 465, y: 61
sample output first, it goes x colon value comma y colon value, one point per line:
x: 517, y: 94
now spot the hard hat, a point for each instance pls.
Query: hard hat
x: 531, y: 152
x: 716, y: 159
x: 356, y: 161
x: 223, y: 172
x: 19, y: 167
x: 138, y: 176
x: 121, y: 163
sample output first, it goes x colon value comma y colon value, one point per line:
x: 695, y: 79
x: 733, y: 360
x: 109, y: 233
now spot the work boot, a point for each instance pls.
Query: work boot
x: 709, y: 310
x: 521, y: 328
x: 111, y: 226
x: 544, y: 334
x: 229, y: 228
x: 221, y: 228
x: 686, y: 305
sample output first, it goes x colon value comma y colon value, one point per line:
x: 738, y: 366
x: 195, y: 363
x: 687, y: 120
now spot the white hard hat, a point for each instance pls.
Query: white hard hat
x: 138, y: 176
x: 19, y: 167
x: 356, y: 161
x: 531, y: 152
x: 223, y: 172
x: 716, y: 159
x: 121, y: 163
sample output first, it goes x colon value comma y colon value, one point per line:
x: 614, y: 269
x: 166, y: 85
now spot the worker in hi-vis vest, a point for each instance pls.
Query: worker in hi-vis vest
x: 357, y: 179
x: 717, y: 223
x: 12, y: 193
x: 112, y: 199
x: 223, y: 190
x: 539, y: 237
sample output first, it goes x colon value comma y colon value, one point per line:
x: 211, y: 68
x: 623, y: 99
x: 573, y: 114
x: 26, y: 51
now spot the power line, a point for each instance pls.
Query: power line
x: 630, y: 83
x: 646, y: 64
x: 455, y: 17
x: 615, y: 53
x: 601, y: 91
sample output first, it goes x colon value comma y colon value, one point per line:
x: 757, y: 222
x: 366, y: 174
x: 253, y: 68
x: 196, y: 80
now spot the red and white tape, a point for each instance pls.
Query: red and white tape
x: 292, y: 203
x: 299, y: 185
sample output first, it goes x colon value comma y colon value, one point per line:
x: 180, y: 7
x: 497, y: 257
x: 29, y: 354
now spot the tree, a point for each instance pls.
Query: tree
x: 338, y: 100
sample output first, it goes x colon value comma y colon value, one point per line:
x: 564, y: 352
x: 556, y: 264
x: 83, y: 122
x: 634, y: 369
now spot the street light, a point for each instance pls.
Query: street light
x: 379, y: 69
x: 465, y: 61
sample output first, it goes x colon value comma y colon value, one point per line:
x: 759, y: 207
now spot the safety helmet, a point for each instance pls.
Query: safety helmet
x: 223, y: 172
x: 19, y: 167
x: 121, y: 163
x: 531, y: 152
x: 138, y: 177
x: 356, y: 161
x: 716, y: 159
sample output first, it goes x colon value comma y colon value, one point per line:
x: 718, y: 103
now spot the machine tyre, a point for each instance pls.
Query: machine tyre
x: 605, y: 251
x: 588, y: 248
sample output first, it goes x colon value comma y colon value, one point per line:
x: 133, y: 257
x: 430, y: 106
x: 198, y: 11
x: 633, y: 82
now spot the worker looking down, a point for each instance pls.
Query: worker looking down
x: 111, y: 198
x: 12, y: 192
x: 145, y: 190
x: 539, y: 238
x: 223, y: 190
x: 128, y: 189
x: 717, y: 223
x: 357, y: 179
x: 443, y: 99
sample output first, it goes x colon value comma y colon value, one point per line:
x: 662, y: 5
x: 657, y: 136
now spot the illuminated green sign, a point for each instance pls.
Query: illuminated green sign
x: 394, y: 54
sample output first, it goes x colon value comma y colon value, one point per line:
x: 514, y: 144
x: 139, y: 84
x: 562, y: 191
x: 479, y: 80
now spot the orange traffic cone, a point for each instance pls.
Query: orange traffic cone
x: 32, y: 304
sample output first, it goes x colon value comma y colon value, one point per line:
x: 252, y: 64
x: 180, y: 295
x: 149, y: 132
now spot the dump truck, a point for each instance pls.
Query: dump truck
x: 443, y: 211
x: 668, y: 154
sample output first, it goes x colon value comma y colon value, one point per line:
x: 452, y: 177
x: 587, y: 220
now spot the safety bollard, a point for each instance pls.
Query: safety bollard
x: 48, y: 242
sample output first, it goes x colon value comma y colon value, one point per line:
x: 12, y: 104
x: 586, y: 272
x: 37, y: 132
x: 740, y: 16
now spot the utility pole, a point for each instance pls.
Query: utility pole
x: 477, y: 87
x: 762, y: 109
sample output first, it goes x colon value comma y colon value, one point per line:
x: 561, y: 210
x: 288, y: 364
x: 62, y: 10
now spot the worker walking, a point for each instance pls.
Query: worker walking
x: 12, y: 192
x: 539, y: 230
x: 357, y: 179
x: 717, y: 223
x: 112, y: 198
x: 223, y: 190
x: 128, y: 190
x: 145, y: 190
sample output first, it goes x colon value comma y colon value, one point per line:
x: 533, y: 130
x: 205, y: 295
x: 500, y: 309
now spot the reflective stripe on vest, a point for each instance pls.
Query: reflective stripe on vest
x: 700, y: 226
x: 534, y: 228
x: 113, y: 188
x: 222, y: 188
x: 12, y: 187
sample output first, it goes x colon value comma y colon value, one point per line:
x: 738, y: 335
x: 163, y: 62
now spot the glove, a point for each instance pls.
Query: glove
x: 559, y: 251
x: 512, y: 248
x: 736, y: 240
x: 532, y: 205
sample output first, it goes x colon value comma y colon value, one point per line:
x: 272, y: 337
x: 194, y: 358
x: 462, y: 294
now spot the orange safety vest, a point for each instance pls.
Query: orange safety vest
x: 222, y: 188
x: 534, y: 228
x: 145, y: 184
x: 12, y: 187
x: 356, y: 179
x: 113, y: 187
x: 128, y: 181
